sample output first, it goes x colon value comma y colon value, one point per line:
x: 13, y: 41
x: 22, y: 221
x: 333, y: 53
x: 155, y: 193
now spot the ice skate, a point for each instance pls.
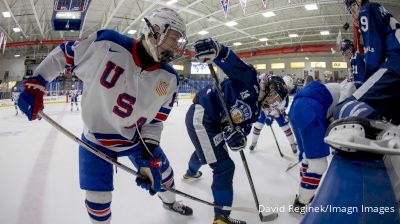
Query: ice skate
x: 299, y: 207
x: 220, y: 219
x: 252, y: 147
x: 360, y: 134
x: 178, y: 207
x: 188, y: 175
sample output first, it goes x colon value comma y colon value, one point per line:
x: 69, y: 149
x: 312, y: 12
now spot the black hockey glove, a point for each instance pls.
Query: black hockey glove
x: 235, y: 138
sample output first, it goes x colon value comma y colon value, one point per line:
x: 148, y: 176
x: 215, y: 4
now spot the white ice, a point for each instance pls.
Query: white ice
x: 39, y: 181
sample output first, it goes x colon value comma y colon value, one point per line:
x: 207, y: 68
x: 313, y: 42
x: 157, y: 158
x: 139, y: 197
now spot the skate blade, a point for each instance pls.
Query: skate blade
x: 388, y: 146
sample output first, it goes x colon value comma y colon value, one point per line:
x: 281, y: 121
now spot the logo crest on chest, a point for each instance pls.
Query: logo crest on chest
x: 240, y: 112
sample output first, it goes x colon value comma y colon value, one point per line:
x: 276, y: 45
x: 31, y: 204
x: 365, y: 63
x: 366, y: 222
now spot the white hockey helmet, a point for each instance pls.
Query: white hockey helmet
x: 166, y: 19
x: 289, y: 82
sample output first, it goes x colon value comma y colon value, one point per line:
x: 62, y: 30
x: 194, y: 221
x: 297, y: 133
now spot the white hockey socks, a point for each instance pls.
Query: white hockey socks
x: 98, y: 205
x: 257, y: 127
x: 311, y: 175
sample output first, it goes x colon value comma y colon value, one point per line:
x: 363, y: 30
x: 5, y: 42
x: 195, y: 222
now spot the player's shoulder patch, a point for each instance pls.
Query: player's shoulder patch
x: 162, y: 87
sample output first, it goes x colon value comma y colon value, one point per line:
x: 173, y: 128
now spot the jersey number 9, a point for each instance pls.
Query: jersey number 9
x: 364, y: 23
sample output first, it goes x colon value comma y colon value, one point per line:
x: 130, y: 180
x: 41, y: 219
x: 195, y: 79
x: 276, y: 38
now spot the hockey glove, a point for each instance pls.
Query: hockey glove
x: 152, y: 171
x: 208, y: 49
x: 235, y: 138
x: 30, y: 101
x: 268, y: 120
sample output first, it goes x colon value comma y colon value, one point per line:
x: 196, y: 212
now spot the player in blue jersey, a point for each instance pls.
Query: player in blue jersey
x: 356, y: 59
x: 207, y: 123
x: 377, y: 98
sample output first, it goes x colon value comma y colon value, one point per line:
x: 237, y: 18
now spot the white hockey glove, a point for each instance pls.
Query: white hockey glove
x: 206, y: 50
x: 235, y: 138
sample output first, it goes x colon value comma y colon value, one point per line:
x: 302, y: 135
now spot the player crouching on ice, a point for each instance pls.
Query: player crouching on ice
x: 268, y: 115
x: 207, y: 123
x: 309, y: 114
x: 124, y: 101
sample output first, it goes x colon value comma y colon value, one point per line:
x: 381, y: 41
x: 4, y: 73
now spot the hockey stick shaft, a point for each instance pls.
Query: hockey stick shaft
x: 114, y: 161
x: 291, y: 166
x: 276, y: 141
x: 231, y: 124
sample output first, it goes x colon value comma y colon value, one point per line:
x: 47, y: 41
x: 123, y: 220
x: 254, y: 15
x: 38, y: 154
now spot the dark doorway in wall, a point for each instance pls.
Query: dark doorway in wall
x: 335, y: 76
x: 6, y: 76
x: 316, y: 75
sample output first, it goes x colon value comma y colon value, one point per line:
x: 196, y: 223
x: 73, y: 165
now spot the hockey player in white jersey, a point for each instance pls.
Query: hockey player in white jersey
x: 14, y: 98
x: 129, y: 89
x: 268, y: 115
x: 73, y: 95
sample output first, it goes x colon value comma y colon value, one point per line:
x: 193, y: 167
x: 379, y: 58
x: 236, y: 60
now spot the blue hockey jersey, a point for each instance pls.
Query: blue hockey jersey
x: 381, y: 36
x: 357, y: 63
x: 240, y: 93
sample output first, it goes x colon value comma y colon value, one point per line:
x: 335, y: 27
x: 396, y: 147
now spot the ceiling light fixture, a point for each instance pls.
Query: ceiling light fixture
x: 171, y: 2
x: 324, y: 33
x: 268, y: 14
x: 203, y: 32
x: 231, y: 23
x: 132, y: 31
x: 310, y: 7
x: 6, y: 14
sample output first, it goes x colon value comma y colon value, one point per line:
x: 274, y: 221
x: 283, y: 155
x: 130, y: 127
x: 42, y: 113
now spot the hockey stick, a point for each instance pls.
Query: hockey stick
x: 291, y: 166
x: 131, y: 171
x: 263, y: 218
x: 276, y: 141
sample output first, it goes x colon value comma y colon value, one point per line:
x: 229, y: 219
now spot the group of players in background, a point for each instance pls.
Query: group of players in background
x: 133, y: 92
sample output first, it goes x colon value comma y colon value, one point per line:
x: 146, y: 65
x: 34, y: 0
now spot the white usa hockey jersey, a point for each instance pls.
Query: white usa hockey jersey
x: 118, y: 95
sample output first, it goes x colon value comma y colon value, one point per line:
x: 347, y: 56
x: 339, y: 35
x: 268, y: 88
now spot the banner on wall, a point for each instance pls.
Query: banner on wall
x: 297, y: 65
x: 264, y: 2
x: 277, y: 65
x: 318, y: 64
x: 225, y: 5
x: 339, y: 64
x: 243, y: 3
x: 1, y: 39
x: 4, y: 43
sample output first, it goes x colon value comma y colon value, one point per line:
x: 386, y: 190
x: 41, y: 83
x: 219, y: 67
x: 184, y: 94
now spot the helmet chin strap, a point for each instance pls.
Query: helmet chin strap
x: 153, y: 49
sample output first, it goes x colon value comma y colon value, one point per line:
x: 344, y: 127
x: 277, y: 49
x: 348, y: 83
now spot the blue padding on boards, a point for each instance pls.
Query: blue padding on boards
x: 356, y: 189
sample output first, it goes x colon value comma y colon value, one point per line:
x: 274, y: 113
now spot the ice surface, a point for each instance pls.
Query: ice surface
x: 40, y: 184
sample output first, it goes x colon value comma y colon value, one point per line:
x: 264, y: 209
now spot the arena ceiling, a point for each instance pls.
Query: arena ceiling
x: 33, y: 17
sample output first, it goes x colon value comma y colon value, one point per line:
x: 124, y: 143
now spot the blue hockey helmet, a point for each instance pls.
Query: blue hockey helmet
x: 346, y: 47
x: 349, y: 3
